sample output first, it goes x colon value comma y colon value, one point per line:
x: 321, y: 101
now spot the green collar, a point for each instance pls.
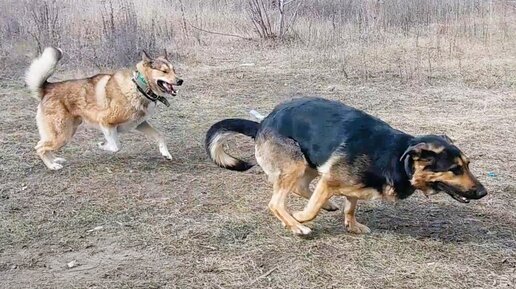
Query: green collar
x: 143, y: 88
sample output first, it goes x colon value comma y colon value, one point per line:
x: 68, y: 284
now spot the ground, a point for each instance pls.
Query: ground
x: 135, y: 220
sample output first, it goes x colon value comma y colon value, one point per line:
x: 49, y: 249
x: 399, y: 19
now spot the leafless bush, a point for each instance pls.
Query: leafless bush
x: 273, y: 19
x: 45, y: 22
x: 409, y: 39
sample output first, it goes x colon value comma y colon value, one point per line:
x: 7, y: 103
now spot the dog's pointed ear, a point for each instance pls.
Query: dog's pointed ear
x: 146, y: 58
x: 446, y: 138
x: 414, y: 150
x: 421, y: 151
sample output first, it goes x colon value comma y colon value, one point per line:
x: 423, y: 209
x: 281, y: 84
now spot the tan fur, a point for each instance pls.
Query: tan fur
x: 421, y: 178
x: 283, y: 162
x: 110, y: 102
x: 327, y: 187
x: 337, y: 178
x: 285, y: 165
x: 350, y: 221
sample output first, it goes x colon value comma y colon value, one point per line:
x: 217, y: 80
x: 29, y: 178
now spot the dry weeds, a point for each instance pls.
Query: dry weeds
x: 135, y: 220
x: 189, y: 224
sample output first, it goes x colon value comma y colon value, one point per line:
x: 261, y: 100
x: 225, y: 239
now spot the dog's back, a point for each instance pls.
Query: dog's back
x: 322, y: 127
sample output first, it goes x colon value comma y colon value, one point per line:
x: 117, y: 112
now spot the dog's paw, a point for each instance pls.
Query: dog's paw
x: 55, y: 166
x: 301, y: 217
x: 300, y: 230
x: 357, y: 228
x: 167, y: 155
x: 108, y: 147
x: 60, y: 160
x: 164, y: 152
x: 330, y: 206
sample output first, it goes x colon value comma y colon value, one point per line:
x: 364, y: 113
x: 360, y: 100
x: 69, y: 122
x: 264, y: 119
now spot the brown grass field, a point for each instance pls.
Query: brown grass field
x: 135, y: 220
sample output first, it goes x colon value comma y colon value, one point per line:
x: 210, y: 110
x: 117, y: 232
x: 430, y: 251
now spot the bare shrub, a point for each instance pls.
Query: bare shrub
x: 273, y: 19
x: 45, y: 22
x: 413, y: 40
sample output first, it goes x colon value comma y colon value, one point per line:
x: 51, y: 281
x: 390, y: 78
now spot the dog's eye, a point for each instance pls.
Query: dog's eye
x: 456, y: 170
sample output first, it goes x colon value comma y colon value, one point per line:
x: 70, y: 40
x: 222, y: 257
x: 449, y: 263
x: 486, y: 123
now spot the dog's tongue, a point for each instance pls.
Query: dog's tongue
x: 170, y: 87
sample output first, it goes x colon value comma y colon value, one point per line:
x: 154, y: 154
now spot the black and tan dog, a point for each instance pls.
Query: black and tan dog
x: 355, y: 154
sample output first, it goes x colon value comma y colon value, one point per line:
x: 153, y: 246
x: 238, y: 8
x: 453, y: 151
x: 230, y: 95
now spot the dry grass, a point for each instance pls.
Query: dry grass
x: 189, y: 224
x: 413, y: 41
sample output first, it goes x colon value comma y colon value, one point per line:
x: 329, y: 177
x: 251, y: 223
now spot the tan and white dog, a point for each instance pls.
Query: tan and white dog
x: 113, y: 103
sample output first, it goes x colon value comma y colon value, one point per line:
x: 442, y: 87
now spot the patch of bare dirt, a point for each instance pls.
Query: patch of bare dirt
x: 136, y: 220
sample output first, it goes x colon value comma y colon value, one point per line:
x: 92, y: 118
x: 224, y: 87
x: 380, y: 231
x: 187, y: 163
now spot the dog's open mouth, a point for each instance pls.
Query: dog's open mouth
x: 167, y: 87
x: 452, y: 192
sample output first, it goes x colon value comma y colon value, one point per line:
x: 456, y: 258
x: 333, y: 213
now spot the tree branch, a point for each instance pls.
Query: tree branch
x: 219, y: 33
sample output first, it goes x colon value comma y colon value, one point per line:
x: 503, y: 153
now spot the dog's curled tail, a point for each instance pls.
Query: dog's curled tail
x: 41, y: 69
x: 217, y: 136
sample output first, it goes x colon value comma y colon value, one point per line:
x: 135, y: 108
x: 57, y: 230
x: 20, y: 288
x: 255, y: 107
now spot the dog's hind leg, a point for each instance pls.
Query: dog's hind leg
x: 352, y: 225
x: 282, y: 187
x: 303, y: 189
x: 76, y: 122
x: 154, y: 134
x: 55, y: 130
x: 283, y: 162
x: 112, y: 143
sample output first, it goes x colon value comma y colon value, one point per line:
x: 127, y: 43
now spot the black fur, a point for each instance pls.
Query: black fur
x: 243, y: 126
x: 376, y: 153
x: 323, y: 127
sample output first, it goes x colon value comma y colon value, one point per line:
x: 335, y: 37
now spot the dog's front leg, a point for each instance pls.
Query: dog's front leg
x: 350, y: 221
x: 152, y: 133
x: 321, y: 195
x: 112, y: 143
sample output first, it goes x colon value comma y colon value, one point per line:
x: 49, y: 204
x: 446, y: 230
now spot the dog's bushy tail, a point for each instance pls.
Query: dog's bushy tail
x: 41, y: 69
x: 219, y: 133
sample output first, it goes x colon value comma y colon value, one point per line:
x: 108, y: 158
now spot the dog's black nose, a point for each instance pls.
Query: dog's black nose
x: 481, y: 192
x: 179, y: 81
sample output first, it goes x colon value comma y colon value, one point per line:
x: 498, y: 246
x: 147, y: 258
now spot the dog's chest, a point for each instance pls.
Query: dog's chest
x: 141, y: 115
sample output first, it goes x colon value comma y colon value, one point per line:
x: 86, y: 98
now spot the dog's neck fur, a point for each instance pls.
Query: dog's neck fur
x: 399, y: 177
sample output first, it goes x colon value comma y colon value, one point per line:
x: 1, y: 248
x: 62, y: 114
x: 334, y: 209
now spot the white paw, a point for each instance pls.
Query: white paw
x: 167, y: 155
x: 301, y: 230
x: 60, y: 160
x: 164, y: 152
x: 108, y: 147
x: 55, y: 166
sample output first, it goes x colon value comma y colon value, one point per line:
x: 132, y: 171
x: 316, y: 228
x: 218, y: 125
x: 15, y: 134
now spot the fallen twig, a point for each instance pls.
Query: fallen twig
x: 219, y: 33
x: 83, y: 269
x: 263, y: 275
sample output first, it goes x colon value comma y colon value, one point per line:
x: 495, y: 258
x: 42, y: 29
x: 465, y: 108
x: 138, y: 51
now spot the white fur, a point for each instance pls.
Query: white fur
x: 257, y: 115
x: 326, y: 167
x: 217, y: 152
x: 112, y: 143
x: 42, y: 125
x: 100, y: 91
x: 41, y: 69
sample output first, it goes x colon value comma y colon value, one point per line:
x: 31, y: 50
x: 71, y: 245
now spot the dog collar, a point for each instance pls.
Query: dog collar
x: 144, y: 88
